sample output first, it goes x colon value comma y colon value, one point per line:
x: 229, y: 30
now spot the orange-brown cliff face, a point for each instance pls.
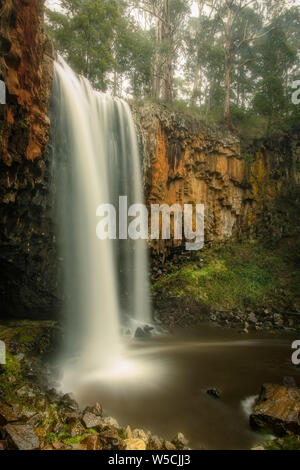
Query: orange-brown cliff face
x: 186, y: 162
x: 27, y: 278
x: 26, y: 67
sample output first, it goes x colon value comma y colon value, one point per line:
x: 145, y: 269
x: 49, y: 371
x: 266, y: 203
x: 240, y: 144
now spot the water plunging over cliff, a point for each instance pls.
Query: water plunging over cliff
x: 96, y: 160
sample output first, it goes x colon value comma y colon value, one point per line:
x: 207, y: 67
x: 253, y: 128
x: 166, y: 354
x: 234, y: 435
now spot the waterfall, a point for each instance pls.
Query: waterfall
x: 96, y: 160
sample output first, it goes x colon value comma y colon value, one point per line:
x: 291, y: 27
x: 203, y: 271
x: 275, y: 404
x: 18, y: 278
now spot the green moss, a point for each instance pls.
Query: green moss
x: 10, y: 378
x: 234, y: 275
x: 284, y: 443
x: 12, y: 366
x: 26, y: 335
x: 121, y: 434
x: 79, y: 439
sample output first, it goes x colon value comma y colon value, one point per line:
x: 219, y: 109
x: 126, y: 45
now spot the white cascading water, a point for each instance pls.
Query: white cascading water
x: 96, y: 160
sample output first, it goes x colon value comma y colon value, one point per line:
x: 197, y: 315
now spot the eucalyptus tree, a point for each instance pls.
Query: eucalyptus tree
x: 237, y: 29
x: 167, y: 19
x: 84, y: 32
x: 275, y: 56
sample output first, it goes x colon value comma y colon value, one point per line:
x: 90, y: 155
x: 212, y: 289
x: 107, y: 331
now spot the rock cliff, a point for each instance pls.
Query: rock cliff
x: 27, y: 251
x: 188, y: 162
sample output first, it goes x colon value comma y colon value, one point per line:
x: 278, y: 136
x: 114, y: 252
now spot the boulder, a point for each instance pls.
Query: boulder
x: 92, y: 442
x: 140, y: 434
x: 26, y: 391
x: 169, y: 446
x: 58, y: 445
x: 141, y: 333
x: 154, y: 443
x: 109, y: 422
x: 68, y: 402
x: 180, y: 441
x: 97, y: 409
x: 7, y: 414
x: 78, y: 446
x: 134, y: 444
x: 277, y: 410
x: 213, y: 392
x: 75, y: 428
x: 144, y: 332
x: 90, y: 420
x: 252, y: 318
x: 22, y: 436
x: 128, y: 433
x: 109, y: 439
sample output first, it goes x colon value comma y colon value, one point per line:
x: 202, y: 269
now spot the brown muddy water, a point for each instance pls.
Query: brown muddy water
x: 163, y: 388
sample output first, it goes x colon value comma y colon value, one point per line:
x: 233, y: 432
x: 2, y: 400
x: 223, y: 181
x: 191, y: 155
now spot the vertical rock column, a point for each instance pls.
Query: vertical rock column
x: 27, y: 248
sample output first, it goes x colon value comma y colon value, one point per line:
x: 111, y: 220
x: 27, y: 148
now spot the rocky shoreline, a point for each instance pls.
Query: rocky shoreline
x: 34, y: 416
x: 175, y: 314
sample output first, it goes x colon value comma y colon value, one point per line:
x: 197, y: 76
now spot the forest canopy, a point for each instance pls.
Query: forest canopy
x: 232, y: 61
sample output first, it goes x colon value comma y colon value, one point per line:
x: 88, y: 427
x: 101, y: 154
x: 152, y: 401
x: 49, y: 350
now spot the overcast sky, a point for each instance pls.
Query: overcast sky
x: 55, y: 5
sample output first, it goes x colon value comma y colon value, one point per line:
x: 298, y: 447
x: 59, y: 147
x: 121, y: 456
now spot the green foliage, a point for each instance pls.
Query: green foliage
x: 156, y: 48
x: 10, y: 377
x: 134, y: 51
x: 234, y: 275
x: 274, y: 57
x: 85, y: 36
x: 290, y: 442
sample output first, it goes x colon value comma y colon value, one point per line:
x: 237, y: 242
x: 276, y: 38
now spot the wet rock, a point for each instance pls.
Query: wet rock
x: 169, y: 446
x: 289, y: 382
x: 252, y: 318
x: 144, y: 332
x: 53, y: 395
x: 134, y: 444
x: 22, y: 437
x: 3, y: 445
x: 90, y: 420
x: 7, y: 414
x: 154, y: 443
x: 78, y: 446
x: 180, y: 441
x: 26, y: 391
x: 58, y: 445
x: 69, y: 416
x: 128, y: 433
x: 97, y: 409
x: 140, y: 434
x: 21, y: 412
x: 109, y: 439
x: 109, y: 422
x: 75, y: 428
x: 278, y: 320
x: 277, y: 410
x: 92, y: 442
x: 36, y: 420
x: 68, y: 402
x: 213, y: 392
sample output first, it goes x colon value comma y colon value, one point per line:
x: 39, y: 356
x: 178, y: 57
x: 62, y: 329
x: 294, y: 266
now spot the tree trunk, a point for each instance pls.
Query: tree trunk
x: 167, y: 72
x: 228, y: 65
x: 115, y: 87
x: 196, y: 85
x: 156, y: 73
